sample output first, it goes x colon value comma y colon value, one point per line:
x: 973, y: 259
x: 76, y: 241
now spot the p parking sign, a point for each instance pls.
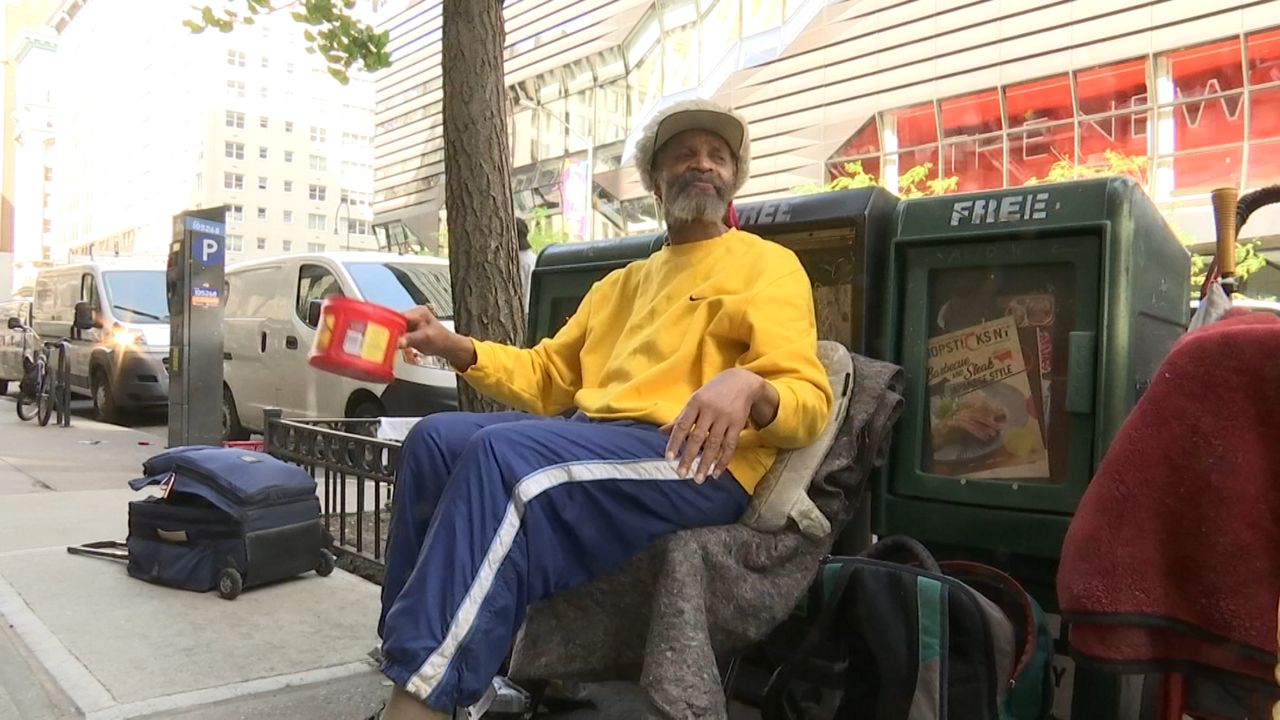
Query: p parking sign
x: 208, y: 241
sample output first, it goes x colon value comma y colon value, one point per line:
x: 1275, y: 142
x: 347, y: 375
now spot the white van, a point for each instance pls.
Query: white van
x: 116, y: 315
x: 272, y: 308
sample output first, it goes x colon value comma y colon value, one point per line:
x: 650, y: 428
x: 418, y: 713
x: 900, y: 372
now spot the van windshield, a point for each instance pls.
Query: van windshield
x: 136, y: 296
x: 401, y: 286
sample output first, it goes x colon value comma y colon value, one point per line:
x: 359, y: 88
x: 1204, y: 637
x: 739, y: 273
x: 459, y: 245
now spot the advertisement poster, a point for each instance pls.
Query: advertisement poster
x: 985, y: 404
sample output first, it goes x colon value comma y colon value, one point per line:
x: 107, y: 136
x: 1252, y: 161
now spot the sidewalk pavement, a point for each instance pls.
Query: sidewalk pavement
x: 82, y: 639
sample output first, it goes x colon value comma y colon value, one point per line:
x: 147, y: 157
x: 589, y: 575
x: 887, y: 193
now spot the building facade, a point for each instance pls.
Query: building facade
x: 32, y: 156
x: 152, y: 120
x: 1183, y: 93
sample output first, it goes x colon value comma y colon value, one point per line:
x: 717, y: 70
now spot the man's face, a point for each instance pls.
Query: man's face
x: 695, y: 171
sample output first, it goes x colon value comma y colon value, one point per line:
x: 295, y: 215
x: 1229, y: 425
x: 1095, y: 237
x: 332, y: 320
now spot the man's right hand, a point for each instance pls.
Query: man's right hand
x: 429, y: 336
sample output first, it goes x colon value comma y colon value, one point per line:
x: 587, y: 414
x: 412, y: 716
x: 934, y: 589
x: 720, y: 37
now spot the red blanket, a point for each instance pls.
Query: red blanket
x: 1173, y: 558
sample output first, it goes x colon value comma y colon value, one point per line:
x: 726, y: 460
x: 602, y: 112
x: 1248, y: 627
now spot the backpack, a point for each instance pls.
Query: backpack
x: 920, y: 641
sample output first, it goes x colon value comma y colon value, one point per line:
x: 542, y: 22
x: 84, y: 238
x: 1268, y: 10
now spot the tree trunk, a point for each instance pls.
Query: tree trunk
x: 482, y: 245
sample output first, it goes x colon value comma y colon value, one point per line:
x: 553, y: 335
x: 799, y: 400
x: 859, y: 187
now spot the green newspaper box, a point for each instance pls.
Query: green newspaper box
x: 1028, y: 322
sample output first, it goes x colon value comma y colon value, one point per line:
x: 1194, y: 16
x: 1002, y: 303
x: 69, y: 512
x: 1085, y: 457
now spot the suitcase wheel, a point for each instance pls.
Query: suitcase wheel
x: 326, y: 565
x: 230, y: 583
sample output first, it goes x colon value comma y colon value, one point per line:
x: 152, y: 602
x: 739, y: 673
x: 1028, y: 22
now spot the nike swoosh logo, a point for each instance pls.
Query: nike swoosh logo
x: 696, y: 299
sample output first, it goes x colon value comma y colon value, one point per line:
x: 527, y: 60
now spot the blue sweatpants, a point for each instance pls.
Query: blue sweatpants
x: 494, y: 512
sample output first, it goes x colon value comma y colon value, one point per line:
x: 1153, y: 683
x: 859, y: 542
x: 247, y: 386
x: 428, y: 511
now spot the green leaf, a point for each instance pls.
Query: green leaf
x: 195, y: 27
x: 339, y: 75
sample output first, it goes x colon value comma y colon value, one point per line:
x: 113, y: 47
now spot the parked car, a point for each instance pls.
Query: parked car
x: 272, y: 309
x: 116, y: 315
x: 15, y: 344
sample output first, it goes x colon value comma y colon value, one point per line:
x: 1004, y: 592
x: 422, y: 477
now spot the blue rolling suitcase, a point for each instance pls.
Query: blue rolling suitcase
x: 226, y: 519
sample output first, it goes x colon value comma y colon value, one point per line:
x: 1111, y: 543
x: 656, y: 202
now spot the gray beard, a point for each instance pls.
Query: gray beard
x: 694, y: 207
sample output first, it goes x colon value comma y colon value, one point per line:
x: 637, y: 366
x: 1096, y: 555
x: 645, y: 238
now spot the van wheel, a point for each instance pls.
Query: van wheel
x: 231, y: 427
x: 105, y: 408
x: 365, y: 408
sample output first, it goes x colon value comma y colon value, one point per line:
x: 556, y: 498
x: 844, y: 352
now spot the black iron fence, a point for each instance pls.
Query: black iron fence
x: 357, y: 473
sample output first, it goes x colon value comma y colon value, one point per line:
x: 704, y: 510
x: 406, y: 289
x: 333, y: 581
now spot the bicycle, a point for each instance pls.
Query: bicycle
x: 44, y: 389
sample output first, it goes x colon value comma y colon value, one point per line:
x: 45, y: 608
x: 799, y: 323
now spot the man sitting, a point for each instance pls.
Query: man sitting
x: 688, y: 371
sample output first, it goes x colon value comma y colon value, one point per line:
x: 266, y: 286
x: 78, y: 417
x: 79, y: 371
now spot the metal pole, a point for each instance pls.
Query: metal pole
x: 591, y: 173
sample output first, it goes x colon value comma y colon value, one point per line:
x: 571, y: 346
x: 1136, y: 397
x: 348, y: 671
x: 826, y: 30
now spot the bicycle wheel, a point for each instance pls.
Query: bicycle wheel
x: 27, y: 406
x: 45, y: 395
x: 29, y: 403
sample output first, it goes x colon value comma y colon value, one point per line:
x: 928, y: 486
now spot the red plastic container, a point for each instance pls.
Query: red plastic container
x: 357, y: 339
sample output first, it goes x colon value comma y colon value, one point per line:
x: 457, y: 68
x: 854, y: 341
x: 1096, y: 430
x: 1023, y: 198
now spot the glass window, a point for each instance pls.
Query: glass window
x: 1112, y: 87
x: 681, y: 62
x: 139, y: 294
x: 1264, y: 121
x: 551, y: 130
x: 315, y: 284
x: 1202, y: 172
x: 403, y: 285
x: 262, y: 183
x: 760, y: 15
x: 235, y: 243
x: 1122, y: 133
x: 676, y: 13
x: 262, y: 243
x: 864, y: 142
x: 1264, y: 164
x: 522, y: 142
x: 646, y: 83
x: 1032, y: 152
x: 859, y: 167
x: 612, y: 122
x: 1263, y: 50
x: 976, y: 114
x: 1209, y: 122
x: 915, y: 125
x: 719, y: 33
x: 288, y: 218
x: 923, y: 161
x: 316, y: 221
x: 978, y: 163
x: 1206, y: 70
x: 643, y: 39
x: 1039, y: 102
x: 581, y: 107
x: 287, y: 245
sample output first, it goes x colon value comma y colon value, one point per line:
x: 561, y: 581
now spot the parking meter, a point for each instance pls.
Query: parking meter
x: 1028, y: 322
x: 196, y: 292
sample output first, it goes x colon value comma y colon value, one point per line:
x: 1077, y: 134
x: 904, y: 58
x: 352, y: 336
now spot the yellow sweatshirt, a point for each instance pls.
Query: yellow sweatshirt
x: 648, y: 336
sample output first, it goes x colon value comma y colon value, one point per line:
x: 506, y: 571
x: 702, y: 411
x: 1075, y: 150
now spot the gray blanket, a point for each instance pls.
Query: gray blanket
x: 710, y: 592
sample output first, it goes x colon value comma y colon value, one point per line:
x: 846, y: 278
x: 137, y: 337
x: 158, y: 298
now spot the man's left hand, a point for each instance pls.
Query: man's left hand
x: 709, y: 426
